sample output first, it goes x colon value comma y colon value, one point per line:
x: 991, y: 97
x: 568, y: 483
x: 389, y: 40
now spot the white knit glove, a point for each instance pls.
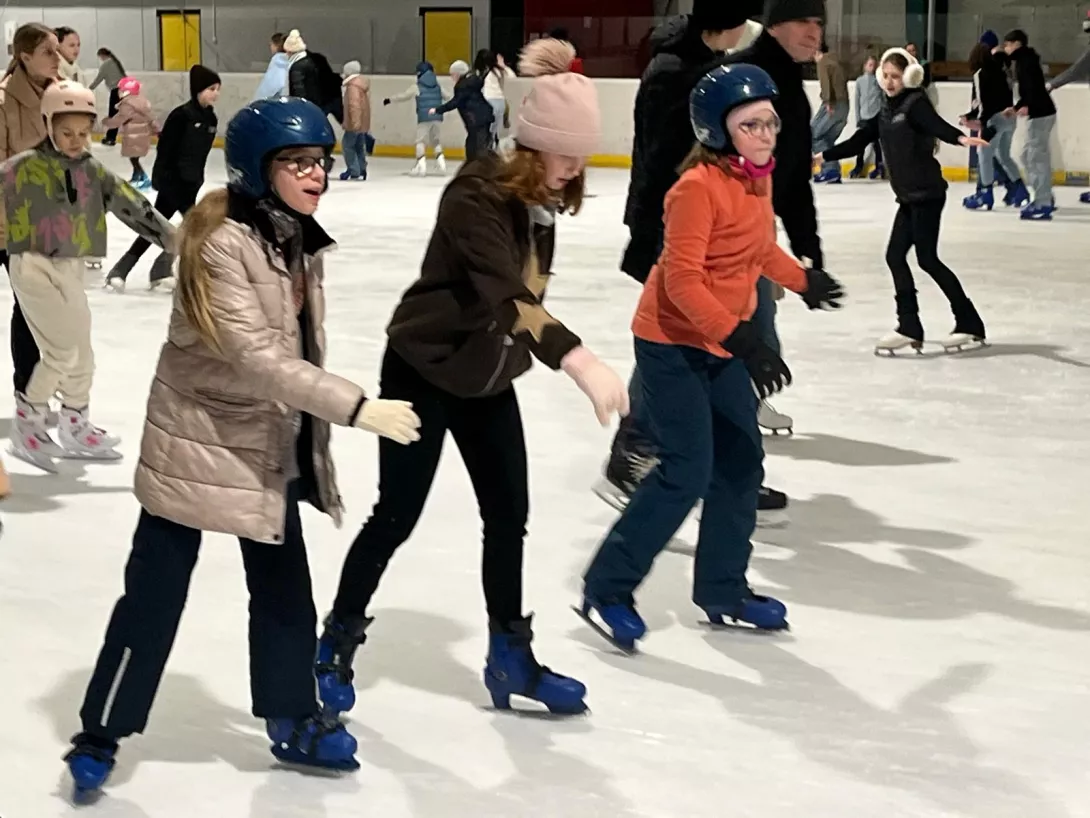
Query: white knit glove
x: 599, y: 383
x: 394, y: 419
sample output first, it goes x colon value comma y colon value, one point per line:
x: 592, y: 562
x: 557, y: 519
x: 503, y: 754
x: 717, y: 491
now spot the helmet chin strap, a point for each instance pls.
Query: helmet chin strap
x: 743, y: 167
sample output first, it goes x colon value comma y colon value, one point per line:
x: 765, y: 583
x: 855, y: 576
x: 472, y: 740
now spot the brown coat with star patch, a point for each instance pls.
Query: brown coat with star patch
x: 474, y: 318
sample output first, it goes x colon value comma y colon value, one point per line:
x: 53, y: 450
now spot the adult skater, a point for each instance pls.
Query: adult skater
x: 236, y: 437
x: 471, y: 105
x: 1076, y: 72
x: 178, y: 173
x: 908, y: 127
x: 427, y: 96
x: 684, y: 48
x: 1035, y: 103
x: 68, y: 44
x: 274, y: 83
x: 461, y: 336
x: 47, y: 271
x: 34, y: 65
x: 991, y: 116
x: 311, y: 77
x: 701, y: 357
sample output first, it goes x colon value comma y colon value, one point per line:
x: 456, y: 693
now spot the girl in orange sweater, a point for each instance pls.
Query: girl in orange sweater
x: 700, y: 357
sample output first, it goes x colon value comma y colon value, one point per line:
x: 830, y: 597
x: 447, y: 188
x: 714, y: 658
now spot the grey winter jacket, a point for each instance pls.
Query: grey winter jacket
x: 110, y: 73
x: 868, y: 97
x: 56, y: 206
x: 1079, y: 70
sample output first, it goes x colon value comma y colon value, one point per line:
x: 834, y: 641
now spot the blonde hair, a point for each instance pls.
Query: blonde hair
x: 522, y: 172
x: 193, y: 297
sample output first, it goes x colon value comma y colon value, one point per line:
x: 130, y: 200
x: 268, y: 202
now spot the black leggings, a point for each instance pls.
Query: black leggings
x: 24, y: 349
x: 917, y: 224
x: 478, y: 142
x: 488, y: 433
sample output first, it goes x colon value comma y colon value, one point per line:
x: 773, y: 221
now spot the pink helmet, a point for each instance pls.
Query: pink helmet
x: 66, y: 97
x: 129, y: 86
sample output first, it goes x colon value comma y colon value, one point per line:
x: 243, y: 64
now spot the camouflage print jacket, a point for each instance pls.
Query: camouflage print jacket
x: 56, y: 206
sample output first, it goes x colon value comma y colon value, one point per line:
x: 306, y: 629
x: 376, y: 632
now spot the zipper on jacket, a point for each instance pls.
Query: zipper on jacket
x: 508, y: 342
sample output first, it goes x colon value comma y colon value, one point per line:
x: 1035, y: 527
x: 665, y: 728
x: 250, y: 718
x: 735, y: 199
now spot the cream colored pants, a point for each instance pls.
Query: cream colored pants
x: 51, y: 295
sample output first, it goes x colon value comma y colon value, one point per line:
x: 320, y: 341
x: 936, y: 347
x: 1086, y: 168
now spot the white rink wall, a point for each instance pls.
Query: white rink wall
x: 395, y: 126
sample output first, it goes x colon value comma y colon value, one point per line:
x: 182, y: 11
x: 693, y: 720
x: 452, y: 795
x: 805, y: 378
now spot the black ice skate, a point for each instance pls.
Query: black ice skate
x: 630, y: 461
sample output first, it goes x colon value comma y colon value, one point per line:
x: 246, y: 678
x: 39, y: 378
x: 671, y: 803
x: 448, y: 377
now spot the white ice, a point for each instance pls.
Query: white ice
x: 937, y: 568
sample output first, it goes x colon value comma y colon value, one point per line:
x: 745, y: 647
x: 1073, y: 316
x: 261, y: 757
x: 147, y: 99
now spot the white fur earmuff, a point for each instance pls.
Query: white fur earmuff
x: 914, y: 74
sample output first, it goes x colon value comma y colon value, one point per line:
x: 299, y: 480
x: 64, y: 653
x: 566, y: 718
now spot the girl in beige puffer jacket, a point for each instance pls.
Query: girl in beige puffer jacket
x: 137, y: 124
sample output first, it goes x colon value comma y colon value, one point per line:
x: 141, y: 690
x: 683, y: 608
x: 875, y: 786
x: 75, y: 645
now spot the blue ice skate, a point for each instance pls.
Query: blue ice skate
x: 1017, y: 195
x: 317, y: 741
x: 762, y: 612
x: 1039, y: 212
x: 1085, y: 198
x: 829, y: 177
x: 983, y: 199
x: 333, y: 665
x: 512, y: 670
x: 623, y: 625
x: 90, y: 762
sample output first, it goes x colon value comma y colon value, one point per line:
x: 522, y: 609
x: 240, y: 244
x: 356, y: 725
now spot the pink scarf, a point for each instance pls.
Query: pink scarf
x: 744, y: 167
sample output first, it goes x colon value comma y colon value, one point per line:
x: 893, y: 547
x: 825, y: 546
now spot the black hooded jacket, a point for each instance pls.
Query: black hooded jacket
x: 1032, y: 91
x: 663, y: 130
x: 184, y: 145
x: 792, y: 196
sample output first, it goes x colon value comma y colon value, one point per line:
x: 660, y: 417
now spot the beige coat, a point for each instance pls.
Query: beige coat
x: 357, y: 104
x: 21, y: 124
x: 219, y: 440
x: 137, y: 125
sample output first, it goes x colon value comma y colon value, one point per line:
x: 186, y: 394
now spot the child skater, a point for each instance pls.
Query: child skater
x: 700, y: 357
x: 184, y: 145
x: 427, y: 95
x: 137, y: 125
x: 461, y: 336
x: 356, y: 89
x: 56, y: 198
x: 237, y: 436
x: 908, y: 127
x: 474, y: 109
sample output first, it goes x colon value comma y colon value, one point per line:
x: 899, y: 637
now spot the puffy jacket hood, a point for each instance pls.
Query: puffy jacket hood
x: 424, y: 67
x: 678, y: 36
x: 428, y: 79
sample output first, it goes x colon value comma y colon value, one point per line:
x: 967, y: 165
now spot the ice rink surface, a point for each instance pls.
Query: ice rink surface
x: 937, y: 569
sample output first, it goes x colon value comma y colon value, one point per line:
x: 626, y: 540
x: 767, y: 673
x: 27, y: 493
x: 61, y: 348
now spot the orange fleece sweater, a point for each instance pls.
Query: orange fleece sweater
x: 720, y: 238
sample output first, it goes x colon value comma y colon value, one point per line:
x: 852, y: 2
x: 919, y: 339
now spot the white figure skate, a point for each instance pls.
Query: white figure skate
x: 82, y: 440
x: 961, y: 342
x: 890, y: 345
x: 30, y: 440
x: 772, y: 421
x: 441, y: 164
x: 116, y: 285
x: 420, y: 169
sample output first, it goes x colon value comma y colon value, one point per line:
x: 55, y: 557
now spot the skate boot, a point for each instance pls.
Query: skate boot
x: 857, y: 172
x: 762, y: 612
x: 909, y: 332
x: 1017, y: 195
x: 512, y: 670
x: 772, y: 421
x: 82, y: 440
x: 420, y: 168
x: 620, y: 623
x: 115, y: 279
x: 317, y: 741
x: 771, y: 508
x: 879, y: 172
x: 969, y: 332
x: 1037, y: 212
x: 441, y: 164
x: 30, y: 440
x: 90, y: 762
x: 829, y: 177
x: 333, y: 667
x: 624, y: 472
x: 1085, y: 198
x: 981, y: 200
x: 162, y: 273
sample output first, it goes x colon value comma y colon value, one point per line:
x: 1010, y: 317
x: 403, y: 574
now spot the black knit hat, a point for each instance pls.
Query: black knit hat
x: 201, y: 78
x: 720, y: 15
x: 784, y: 11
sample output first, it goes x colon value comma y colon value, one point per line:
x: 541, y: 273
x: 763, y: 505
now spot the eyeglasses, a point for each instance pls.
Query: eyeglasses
x: 761, y: 127
x: 303, y: 166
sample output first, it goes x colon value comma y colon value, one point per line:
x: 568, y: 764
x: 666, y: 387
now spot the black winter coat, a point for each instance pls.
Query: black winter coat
x: 313, y: 79
x: 468, y: 99
x: 792, y: 196
x: 1029, y: 75
x: 908, y: 126
x: 184, y: 145
x: 991, y: 92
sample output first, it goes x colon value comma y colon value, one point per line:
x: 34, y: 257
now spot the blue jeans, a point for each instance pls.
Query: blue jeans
x: 825, y: 129
x: 704, y: 414
x: 764, y: 317
x: 998, y: 150
x: 354, y: 146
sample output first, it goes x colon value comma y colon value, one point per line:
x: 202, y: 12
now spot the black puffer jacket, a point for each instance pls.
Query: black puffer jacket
x: 313, y: 79
x: 663, y: 131
x: 184, y: 145
x: 908, y: 127
x: 469, y: 101
x: 792, y: 196
x: 991, y: 92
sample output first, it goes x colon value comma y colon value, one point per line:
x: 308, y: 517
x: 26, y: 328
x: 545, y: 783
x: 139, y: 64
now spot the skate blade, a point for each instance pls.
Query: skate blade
x: 107, y: 456
x: 737, y: 626
x: 773, y: 431
x: 957, y: 349
x: 534, y: 710
x: 773, y: 519
x: 293, y: 758
x: 626, y: 649
x: 610, y: 495
x: 903, y: 352
x: 43, y: 462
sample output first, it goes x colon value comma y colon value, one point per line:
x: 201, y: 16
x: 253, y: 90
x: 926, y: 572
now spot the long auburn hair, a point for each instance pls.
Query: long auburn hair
x: 522, y: 172
x: 193, y: 296
x: 26, y: 40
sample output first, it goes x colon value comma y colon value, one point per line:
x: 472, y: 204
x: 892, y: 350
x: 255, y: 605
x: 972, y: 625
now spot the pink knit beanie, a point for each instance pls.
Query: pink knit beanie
x: 560, y: 114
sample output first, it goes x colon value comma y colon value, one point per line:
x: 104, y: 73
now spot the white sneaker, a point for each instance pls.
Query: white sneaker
x: 30, y: 440
x: 81, y: 439
x: 768, y: 418
x: 420, y: 168
x: 441, y: 163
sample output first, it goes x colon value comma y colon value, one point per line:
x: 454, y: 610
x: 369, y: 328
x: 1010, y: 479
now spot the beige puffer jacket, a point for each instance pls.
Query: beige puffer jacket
x: 219, y: 442
x: 21, y: 123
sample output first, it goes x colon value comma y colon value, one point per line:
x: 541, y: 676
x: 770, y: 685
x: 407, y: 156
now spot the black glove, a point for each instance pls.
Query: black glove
x: 767, y: 369
x: 386, y: 101
x: 823, y: 292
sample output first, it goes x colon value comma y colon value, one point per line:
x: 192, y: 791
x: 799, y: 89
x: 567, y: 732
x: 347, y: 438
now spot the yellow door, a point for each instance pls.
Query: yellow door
x: 179, y: 40
x: 448, y: 36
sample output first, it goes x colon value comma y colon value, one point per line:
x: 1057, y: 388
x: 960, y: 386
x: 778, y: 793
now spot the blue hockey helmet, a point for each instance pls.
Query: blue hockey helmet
x: 718, y: 93
x: 264, y: 127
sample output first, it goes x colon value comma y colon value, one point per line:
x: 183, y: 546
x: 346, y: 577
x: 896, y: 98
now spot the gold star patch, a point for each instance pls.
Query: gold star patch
x: 533, y: 318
